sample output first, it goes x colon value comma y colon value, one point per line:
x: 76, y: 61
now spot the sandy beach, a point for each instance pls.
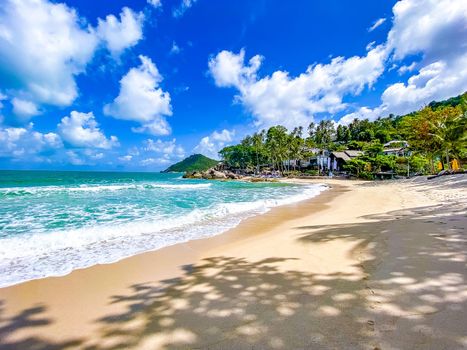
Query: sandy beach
x: 365, y: 265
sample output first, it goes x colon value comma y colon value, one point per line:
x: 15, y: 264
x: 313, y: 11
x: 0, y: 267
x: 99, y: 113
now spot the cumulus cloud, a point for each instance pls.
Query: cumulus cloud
x: 376, y: 24
x: 119, y: 35
x: 435, y: 30
x: 142, y: 100
x: 361, y: 113
x: 169, y: 148
x: 20, y: 143
x: 292, y: 101
x: 407, y: 68
x: 210, y: 145
x: 155, y: 3
x: 74, y: 158
x: 182, y: 8
x: 45, y: 45
x: 82, y: 130
x: 436, y: 81
x: 160, y: 152
x: 24, y: 109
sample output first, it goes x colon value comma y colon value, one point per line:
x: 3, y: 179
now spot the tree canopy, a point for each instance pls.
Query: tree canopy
x: 437, y: 132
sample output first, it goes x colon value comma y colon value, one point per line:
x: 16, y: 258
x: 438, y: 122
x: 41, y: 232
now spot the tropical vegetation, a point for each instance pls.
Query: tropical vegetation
x: 436, y: 135
x: 195, y: 162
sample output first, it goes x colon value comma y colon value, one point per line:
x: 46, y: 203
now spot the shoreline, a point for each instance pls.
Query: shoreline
x: 247, y: 216
x: 286, y: 278
x: 231, y: 233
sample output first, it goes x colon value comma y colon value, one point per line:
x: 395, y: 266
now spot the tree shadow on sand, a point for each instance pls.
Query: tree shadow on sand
x: 32, y: 317
x: 408, y: 295
x: 233, y: 303
x: 417, y: 298
x: 230, y: 302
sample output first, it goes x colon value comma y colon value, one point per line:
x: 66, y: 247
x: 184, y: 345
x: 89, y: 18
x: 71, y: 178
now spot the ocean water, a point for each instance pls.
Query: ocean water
x: 54, y: 222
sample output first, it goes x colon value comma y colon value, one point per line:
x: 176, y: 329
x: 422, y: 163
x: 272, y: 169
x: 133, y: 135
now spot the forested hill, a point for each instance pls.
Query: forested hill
x: 195, y: 162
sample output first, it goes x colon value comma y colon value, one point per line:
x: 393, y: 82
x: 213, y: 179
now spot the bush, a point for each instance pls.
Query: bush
x: 311, y: 172
x: 366, y: 175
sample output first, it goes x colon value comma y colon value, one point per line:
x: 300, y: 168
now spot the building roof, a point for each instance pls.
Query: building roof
x: 353, y: 153
x: 347, y: 154
x: 341, y: 155
x: 404, y: 144
x: 389, y: 150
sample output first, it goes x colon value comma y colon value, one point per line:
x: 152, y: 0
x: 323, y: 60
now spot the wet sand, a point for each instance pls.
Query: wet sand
x: 362, y: 266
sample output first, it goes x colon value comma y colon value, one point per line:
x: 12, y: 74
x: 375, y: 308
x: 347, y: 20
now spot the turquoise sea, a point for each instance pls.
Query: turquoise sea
x: 52, y: 222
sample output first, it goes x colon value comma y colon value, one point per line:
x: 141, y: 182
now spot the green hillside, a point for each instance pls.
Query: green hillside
x: 195, y: 162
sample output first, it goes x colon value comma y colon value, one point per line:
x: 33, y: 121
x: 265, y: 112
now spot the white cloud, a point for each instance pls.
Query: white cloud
x: 155, y: 3
x: 175, y: 49
x: 436, y: 28
x: 435, y: 81
x: 182, y: 8
x: 91, y: 154
x: 24, y: 109
x: 43, y: 47
x: 82, y: 130
x: 74, y: 158
x: 361, y: 113
x: 436, y: 31
x: 212, y: 144
x: 142, y: 100
x: 169, y: 148
x: 407, y: 68
x: 157, y: 127
x: 20, y: 143
x: 292, y: 101
x: 376, y: 24
x: 154, y: 161
x: 126, y: 158
x: 159, y: 152
x: 119, y: 35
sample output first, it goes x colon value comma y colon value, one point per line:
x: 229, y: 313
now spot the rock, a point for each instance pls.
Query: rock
x: 193, y: 175
x: 212, y: 174
x: 231, y: 175
x: 218, y: 175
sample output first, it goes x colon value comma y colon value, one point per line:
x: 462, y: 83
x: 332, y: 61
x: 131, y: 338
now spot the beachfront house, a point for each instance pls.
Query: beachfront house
x: 397, y: 148
x: 339, y: 159
x: 319, y: 159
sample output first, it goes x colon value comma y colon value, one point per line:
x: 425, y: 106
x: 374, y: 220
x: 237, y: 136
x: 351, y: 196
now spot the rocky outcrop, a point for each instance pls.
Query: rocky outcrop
x: 212, y: 174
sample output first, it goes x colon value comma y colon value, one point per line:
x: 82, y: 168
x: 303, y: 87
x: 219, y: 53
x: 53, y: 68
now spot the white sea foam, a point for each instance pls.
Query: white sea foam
x: 26, y: 257
x: 98, y: 188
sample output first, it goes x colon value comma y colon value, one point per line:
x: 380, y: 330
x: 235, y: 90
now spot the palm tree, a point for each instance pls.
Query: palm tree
x: 277, y: 145
x: 323, y: 135
x: 450, y: 131
x: 295, y: 144
x: 257, y: 141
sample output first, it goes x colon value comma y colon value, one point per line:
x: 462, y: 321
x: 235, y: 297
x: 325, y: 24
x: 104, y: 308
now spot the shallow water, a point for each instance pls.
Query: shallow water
x: 54, y: 222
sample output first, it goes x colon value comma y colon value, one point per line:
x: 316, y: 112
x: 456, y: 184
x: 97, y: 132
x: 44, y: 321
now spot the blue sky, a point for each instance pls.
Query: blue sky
x: 138, y: 85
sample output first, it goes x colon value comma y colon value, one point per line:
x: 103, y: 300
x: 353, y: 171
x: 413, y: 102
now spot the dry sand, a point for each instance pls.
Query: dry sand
x: 363, y: 266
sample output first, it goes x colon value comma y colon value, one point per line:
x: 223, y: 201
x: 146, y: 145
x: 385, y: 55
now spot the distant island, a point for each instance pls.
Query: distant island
x: 195, y: 162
